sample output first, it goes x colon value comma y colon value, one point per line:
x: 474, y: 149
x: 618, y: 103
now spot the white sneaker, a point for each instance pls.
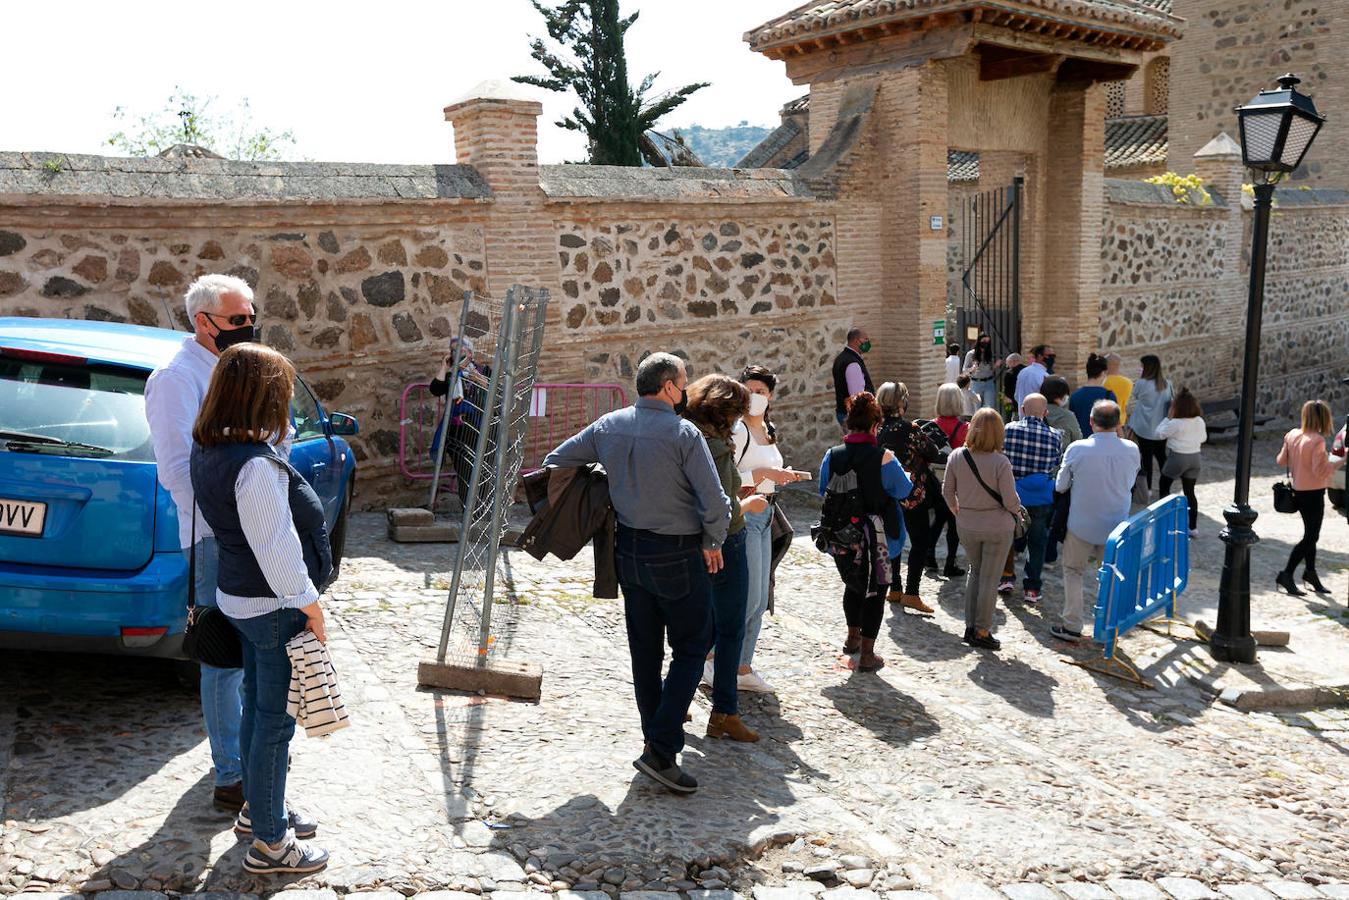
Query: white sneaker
x: 709, y: 673
x: 751, y: 681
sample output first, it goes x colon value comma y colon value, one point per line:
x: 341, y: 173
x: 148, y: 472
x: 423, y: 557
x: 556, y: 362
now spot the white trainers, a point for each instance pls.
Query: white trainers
x: 709, y: 673
x: 751, y: 681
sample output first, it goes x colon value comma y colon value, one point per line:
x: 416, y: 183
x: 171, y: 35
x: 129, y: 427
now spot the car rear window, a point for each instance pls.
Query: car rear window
x: 103, y: 406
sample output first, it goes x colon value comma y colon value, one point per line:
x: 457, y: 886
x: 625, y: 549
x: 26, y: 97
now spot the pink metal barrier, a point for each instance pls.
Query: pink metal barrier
x: 556, y: 412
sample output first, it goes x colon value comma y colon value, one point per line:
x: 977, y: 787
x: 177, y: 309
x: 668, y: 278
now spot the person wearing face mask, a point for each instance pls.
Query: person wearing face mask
x: 673, y: 518
x: 1031, y: 377
x: 759, y: 461
x: 466, y: 390
x: 982, y: 367
x: 220, y: 308
x: 1061, y: 418
x: 850, y: 372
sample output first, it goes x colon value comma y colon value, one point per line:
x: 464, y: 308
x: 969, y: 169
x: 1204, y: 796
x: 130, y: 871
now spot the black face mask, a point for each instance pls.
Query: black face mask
x: 228, y: 337
x: 683, y: 403
x: 1049, y: 361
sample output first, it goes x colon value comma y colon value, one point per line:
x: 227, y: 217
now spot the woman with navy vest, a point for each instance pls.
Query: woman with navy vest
x: 274, y: 559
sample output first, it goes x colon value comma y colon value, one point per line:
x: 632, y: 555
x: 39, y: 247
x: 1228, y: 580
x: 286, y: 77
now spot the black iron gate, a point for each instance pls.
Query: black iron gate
x: 989, y: 294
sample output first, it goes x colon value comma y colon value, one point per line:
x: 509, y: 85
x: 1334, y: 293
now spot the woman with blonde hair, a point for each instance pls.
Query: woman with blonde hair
x: 1310, y: 466
x: 274, y: 560
x: 980, y: 488
x: 947, y: 433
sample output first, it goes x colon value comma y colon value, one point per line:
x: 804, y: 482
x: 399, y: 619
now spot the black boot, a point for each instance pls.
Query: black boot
x: 1285, y: 581
x: 1310, y: 578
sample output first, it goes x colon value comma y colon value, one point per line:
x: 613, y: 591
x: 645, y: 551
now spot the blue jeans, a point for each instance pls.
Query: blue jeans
x: 267, y: 727
x: 1037, y: 538
x: 759, y: 562
x: 987, y: 391
x: 666, y: 595
x: 221, y: 689
x: 729, y: 588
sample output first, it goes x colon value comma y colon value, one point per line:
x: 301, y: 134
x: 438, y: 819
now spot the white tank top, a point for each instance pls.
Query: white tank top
x: 751, y: 455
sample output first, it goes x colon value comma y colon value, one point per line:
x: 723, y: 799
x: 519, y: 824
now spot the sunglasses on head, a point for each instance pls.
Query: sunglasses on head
x: 237, y: 320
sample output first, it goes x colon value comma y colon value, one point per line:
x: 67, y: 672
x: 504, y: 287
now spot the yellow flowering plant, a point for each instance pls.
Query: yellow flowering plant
x: 1185, y: 188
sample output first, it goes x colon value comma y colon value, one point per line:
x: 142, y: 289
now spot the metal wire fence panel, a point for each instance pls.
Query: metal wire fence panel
x: 485, y: 435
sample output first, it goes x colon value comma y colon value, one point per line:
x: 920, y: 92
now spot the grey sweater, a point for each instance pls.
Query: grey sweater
x: 976, y: 510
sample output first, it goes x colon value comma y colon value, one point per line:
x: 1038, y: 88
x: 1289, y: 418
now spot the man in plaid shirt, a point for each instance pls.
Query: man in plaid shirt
x: 1034, y: 450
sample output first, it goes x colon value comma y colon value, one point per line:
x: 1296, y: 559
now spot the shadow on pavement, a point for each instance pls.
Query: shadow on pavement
x: 874, y: 704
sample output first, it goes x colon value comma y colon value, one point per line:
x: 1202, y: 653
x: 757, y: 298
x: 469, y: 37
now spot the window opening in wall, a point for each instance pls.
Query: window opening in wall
x: 1158, y: 86
x: 1114, y: 99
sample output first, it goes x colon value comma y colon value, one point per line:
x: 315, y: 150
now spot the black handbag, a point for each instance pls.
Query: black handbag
x: 1285, y: 501
x: 208, y: 638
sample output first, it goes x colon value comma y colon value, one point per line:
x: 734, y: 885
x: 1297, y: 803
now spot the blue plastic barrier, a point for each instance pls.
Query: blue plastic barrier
x: 1146, y: 566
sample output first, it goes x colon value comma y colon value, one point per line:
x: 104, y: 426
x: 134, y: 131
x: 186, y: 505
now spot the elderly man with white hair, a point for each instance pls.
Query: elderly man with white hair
x: 220, y: 308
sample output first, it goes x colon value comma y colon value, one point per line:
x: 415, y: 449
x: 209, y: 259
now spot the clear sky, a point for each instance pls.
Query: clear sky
x: 356, y: 82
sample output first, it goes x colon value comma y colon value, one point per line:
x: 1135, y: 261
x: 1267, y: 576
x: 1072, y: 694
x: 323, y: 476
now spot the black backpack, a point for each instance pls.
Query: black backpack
x: 840, y: 529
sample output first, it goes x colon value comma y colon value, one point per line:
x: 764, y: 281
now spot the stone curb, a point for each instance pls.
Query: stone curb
x: 1172, y: 888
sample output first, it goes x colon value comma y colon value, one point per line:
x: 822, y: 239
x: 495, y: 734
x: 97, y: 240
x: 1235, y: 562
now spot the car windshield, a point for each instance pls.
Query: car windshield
x: 74, y: 409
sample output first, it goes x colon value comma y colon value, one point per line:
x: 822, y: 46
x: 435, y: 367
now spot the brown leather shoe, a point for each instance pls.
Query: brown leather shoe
x: 724, y: 725
x: 915, y: 603
x: 230, y: 797
x: 895, y: 597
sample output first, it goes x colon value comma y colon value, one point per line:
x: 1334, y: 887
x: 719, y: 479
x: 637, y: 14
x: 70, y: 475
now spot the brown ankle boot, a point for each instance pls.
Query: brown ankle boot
x: 915, y: 603
x: 724, y: 725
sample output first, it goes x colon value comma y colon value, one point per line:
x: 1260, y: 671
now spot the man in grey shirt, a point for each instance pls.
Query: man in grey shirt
x: 672, y: 519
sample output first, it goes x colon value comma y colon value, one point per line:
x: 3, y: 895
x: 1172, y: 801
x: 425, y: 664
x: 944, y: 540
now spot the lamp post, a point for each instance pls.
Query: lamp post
x: 1277, y: 127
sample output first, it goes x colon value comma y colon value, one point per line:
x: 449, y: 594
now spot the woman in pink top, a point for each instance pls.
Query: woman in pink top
x: 1310, y: 465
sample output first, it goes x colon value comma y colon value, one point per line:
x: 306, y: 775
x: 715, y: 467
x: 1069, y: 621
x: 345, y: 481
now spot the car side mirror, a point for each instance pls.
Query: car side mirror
x: 343, y: 424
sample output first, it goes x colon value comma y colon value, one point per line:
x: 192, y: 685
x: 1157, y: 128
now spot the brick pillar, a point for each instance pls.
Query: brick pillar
x: 912, y: 108
x: 1073, y: 176
x: 1218, y: 165
x: 496, y: 132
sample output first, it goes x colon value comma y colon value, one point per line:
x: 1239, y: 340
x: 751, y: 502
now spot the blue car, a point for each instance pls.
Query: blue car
x: 89, y: 555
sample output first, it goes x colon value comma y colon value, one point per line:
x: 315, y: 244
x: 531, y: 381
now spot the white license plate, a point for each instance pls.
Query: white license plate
x: 22, y: 517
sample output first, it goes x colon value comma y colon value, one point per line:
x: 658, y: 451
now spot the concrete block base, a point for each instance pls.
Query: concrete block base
x: 512, y: 678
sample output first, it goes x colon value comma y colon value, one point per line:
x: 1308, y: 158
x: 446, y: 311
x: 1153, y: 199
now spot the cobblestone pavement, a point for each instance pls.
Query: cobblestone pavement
x: 950, y: 773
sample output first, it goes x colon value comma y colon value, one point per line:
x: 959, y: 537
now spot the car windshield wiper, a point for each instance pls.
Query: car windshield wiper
x: 52, y: 445
x: 26, y: 436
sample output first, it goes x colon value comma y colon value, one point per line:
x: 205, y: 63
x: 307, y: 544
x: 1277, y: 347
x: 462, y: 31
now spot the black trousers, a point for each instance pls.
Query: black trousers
x: 864, y: 610
x: 918, y: 524
x: 1187, y: 485
x: 942, y: 516
x: 1311, y: 506
x: 1151, y: 450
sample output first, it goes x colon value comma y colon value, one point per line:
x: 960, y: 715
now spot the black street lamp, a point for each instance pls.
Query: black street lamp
x: 1277, y: 127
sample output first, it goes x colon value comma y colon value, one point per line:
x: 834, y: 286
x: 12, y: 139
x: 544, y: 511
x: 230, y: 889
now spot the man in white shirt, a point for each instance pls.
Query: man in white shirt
x: 952, y: 363
x: 1034, y: 375
x: 220, y: 308
x: 1100, y: 471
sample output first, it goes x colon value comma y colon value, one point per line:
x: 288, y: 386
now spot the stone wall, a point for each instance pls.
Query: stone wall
x: 1232, y: 49
x: 1175, y: 284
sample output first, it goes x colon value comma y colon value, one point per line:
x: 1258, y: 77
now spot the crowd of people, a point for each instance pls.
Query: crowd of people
x: 1015, y: 463
x: 692, y: 472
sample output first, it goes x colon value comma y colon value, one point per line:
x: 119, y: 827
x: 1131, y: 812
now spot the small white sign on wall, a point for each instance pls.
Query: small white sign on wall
x: 936, y: 223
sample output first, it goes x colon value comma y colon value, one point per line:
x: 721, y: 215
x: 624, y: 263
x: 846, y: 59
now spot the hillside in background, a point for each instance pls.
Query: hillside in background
x: 723, y: 147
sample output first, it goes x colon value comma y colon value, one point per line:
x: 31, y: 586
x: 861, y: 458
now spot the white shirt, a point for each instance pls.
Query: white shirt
x: 173, y: 397
x: 1182, y: 435
x: 262, y: 495
x: 952, y: 368
x: 751, y: 455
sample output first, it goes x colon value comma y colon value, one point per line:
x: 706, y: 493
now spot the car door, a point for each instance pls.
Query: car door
x: 313, y: 453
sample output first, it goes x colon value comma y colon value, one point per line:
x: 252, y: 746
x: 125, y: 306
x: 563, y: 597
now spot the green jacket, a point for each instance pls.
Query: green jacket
x: 723, y: 457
